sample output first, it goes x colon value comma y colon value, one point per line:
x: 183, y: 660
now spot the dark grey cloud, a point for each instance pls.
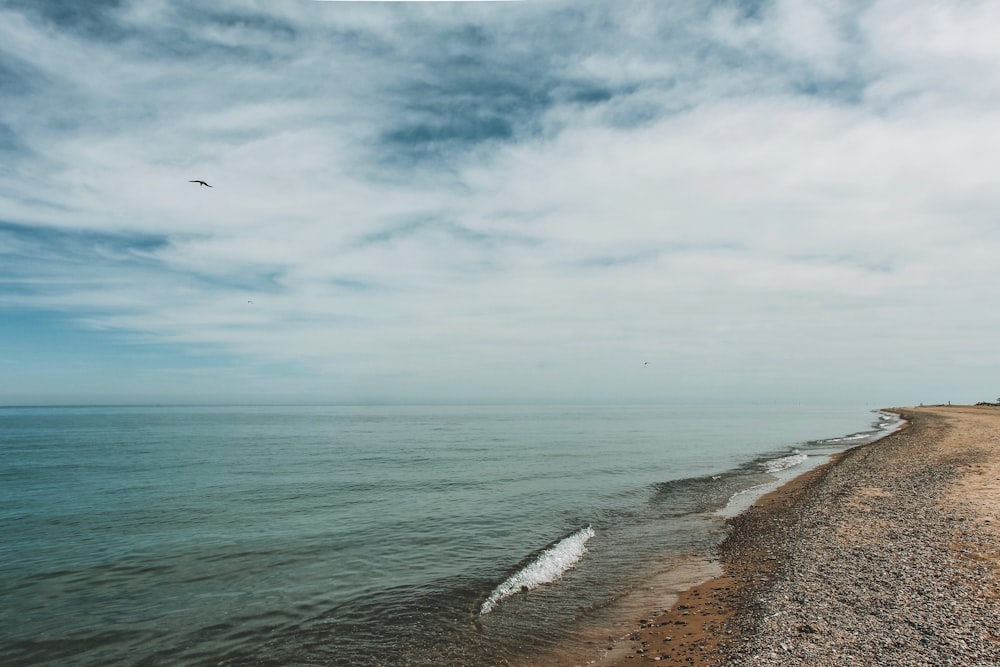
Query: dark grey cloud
x: 78, y: 257
x: 749, y: 10
x: 614, y: 261
x: 470, y: 92
x: 32, y: 243
x: 438, y: 226
x: 40, y: 262
x: 96, y: 19
x: 268, y: 25
x: 485, y: 84
x: 17, y: 77
x: 849, y: 91
x: 499, y: 81
x: 11, y: 146
x: 201, y: 32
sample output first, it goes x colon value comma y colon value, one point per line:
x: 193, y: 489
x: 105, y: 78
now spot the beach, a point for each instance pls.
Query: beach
x: 887, y: 555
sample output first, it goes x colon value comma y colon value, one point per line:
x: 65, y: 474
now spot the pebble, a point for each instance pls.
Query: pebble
x: 869, y: 568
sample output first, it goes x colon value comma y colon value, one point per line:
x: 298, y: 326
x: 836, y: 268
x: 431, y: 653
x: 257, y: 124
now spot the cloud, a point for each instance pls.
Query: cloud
x: 479, y: 201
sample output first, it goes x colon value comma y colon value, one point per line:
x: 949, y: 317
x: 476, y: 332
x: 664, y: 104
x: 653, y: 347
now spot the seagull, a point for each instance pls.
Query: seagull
x: 202, y: 183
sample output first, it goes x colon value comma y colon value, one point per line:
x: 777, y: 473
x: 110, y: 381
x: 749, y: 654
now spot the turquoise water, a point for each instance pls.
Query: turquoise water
x: 361, y: 535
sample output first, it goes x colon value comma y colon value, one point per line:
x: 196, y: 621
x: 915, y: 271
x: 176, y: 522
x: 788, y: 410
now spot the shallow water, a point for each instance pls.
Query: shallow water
x: 363, y: 535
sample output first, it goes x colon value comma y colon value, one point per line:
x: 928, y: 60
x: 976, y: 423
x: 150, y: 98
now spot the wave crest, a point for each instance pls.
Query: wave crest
x: 785, y: 462
x: 549, y: 566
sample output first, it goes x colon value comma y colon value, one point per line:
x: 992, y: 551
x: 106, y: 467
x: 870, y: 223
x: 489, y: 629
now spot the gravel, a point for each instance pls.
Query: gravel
x: 871, y: 565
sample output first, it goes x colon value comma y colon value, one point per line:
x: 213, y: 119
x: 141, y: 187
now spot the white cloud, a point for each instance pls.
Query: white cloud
x: 670, y: 188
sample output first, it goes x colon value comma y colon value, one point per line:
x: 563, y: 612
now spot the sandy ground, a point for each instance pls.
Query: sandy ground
x: 888, y: 555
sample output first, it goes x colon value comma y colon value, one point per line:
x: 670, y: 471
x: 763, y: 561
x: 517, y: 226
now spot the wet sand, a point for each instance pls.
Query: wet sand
x: 888, y: 555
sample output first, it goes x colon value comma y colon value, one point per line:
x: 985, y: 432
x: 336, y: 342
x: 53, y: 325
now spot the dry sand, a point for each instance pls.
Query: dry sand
x: 889, y: 555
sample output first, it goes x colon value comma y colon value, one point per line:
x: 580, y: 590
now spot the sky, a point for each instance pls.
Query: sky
x: 558, y: 201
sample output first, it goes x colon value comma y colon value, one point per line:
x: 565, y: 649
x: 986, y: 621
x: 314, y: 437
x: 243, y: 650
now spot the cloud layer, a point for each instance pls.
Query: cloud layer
x: 499, y: 201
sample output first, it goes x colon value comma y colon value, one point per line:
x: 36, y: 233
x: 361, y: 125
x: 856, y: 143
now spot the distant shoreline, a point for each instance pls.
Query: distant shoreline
x: 789, y: 558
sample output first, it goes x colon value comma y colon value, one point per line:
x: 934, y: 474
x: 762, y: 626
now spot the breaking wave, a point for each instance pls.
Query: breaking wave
x: 785, y: 462
x: 549, y: 566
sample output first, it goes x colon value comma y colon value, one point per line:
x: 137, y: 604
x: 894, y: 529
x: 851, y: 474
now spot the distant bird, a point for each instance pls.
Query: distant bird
x: 250, y: 302
x: 645, y: 363
x: 201, y: 183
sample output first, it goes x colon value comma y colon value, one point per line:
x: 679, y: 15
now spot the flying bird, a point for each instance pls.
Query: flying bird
x: 202, y: 183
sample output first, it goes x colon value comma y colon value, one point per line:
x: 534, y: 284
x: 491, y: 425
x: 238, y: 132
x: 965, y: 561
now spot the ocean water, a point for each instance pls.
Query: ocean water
x: 367, y: 535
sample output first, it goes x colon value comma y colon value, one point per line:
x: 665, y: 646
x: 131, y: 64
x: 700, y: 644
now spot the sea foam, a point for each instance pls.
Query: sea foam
x: 785, y: 462
x: 549, y: 566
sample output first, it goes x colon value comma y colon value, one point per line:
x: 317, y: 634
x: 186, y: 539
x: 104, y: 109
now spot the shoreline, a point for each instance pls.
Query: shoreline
x: 693, y: 631
x: 814, y: 572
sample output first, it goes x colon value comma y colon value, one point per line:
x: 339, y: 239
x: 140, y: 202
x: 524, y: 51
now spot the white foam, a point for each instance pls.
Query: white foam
x: 782, y: 467
x: 742, y: 500
x: 785, y: 462
x: 847, y: 438
x: 549, y: 566
x: 891, y: 422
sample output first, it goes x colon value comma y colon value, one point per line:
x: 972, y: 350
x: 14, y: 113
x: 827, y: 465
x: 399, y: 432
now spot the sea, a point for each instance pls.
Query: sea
x: 373, y: 535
